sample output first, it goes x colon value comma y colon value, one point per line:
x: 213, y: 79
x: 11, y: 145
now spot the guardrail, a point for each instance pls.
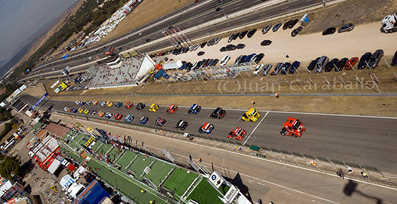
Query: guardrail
x: 320, y: 164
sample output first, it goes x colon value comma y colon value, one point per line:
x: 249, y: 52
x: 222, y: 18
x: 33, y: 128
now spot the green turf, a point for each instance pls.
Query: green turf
x: 158, y: 172
x: 95, y: 146
x: 103, y: 149
x: 139, y: 165
x: 204, y: 193
x: 126, y: 185
x: 127, y: 157
x: 71, y: 154
x: 179, y: 181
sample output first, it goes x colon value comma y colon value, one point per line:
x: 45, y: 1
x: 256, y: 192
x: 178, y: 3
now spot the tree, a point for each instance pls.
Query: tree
x: 10, y: 165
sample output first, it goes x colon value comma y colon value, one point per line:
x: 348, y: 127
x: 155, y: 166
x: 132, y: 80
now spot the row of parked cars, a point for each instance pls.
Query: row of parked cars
x: 323, y: 64
x: 283, y: 68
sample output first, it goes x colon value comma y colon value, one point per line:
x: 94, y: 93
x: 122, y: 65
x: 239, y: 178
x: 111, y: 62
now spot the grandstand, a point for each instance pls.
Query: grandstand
x: 133, y: 173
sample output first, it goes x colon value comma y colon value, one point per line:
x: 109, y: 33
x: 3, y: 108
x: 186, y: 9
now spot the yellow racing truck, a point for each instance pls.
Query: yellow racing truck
x: 251, y: 115
x: 153, y: 108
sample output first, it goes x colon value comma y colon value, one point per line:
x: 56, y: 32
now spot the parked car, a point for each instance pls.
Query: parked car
x: 313, y: 64
x: 346, y: 28
x: 101, y: 114
x: 331, y: 65
x: 296, y: 31
x: 200, y: 53
x: 266, y: 42
x: 276, y: 27
x: 251, y: 33
x: 242, y: 34
x: 257, y: 58
x: 329, y: 31
x: 266, y: 29
x: 206, y: 128
x: 394, y: 60
x: 230, y: 47
x: 109, y: 104
x: 95, y: 102
x: 340, y: 64
x: 223, y: 49
x: 237, y: 62
x: 375, y: 58
x: 236, y: 36
x: 214, y: 62
x: 294, y: 67
x: 277, y: 68
x: 249, y: 57
x: 240, y: 46
x: 258, y: 68
x: 285, y: 68
x: 218, y: 113
x: 203, y: 44
x: 364, y: 60
x: 224, y: 60
x: 143, y: 120
x: 351, y: 62
x: 181, y: 125
x: 230, y: 38
x: 217, y: 40
x: 160, y: 121
x: 93, y: 112
x: 266, y: 69
x: 293, y: 23
x: 285, y: 26
x: 129, y: 118
x: 321, y: 64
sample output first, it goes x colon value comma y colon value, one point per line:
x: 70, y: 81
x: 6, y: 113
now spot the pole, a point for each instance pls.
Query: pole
x: 299, y: 81
x: 336, y: 67
x: 387, y: 63
x: 374, y: 82
x: 287, y: 82
x: 368, y: 66
x: 308, y: 70
x: 351, y: 66
x: 341, y: 79
x: 326, y: 80
x: 358, y: 79
x: 376, y: 78
x: 311, y: 81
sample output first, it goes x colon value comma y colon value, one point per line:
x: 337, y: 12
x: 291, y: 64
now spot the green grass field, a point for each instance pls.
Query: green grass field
x: 179, y: 181
x: 204, y: 193
x: 158, y: 172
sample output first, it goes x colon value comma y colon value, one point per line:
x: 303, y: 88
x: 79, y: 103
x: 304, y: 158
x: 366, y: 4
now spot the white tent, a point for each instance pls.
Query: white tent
x: 74, y: 189
x: 66, y: 181
x: 54, y: 166
x: 146, y: 66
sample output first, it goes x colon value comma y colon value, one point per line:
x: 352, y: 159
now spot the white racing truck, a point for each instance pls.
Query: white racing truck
x: 389, y: 23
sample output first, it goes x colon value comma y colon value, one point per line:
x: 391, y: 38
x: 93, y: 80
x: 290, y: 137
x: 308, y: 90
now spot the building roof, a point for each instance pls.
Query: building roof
x: 41, y: 135
x: 93, y: 194
x: 57, y: 130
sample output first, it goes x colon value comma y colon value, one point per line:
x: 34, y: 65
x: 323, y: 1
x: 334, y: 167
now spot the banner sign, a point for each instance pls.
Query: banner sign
x: 39, y: 101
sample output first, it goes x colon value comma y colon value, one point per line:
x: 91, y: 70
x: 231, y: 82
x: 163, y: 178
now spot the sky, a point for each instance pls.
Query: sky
x: 19, y: 19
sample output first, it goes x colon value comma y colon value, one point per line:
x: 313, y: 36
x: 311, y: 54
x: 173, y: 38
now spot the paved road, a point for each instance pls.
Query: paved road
x: 368, y: 141
x: 202, y: 14
x: 264, y: 179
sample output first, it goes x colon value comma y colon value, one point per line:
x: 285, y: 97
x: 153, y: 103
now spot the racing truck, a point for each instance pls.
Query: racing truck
x: 206, y: 128
x: 153, y: 108
x: 195, y: 109
x: 251, y: 115
x: 237, y: 134
x: 172, y: 109
x: 218, y: 113
x: 293, y: 127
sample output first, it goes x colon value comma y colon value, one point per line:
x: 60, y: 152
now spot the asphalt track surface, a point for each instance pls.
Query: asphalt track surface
x: 202, y: 14
x: 368, y: 141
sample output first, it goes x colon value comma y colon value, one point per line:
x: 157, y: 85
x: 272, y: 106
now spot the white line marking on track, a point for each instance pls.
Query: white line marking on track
x: 255, y: 128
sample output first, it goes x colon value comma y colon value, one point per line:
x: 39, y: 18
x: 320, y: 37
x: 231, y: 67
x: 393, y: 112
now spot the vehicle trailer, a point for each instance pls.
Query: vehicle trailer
x: 389, y: 23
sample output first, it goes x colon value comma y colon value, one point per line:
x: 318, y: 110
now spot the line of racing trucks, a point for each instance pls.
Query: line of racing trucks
x: 292, y: 127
